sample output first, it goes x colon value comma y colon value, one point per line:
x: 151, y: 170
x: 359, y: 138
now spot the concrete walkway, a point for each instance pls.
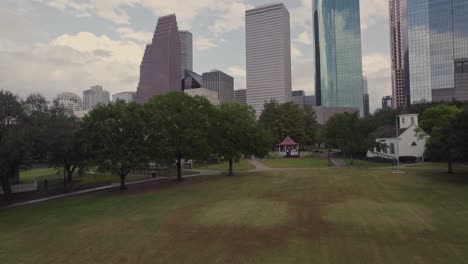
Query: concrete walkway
x: 20, y: 188
x: 258, y: 165
x: 339, y: 163
x: 107, y: 187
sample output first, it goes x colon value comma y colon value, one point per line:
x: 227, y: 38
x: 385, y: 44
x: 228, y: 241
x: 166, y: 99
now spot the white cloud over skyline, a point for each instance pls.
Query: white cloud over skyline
x: 49, y: 59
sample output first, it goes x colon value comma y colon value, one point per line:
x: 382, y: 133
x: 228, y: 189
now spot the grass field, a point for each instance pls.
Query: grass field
x: 296, y: 163
x: 242, y: 165
x: 368, y: 164
x: 27, y: 176
x: 301, y: 216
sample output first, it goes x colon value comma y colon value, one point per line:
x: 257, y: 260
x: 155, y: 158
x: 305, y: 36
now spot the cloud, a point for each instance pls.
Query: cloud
x: 376, y: 63
x: 129, y: 34
x: 377, y: 67
x: 204, y: 43
x: 304, y: 38
x: 237, y: 71
x: 295, y: 52
x: 372, y: 12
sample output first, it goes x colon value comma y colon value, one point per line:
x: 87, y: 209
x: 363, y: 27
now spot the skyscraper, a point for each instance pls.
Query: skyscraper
x: 387, y: 102
x: 186, y: 40
x: 240, y: 96
x: 127, y: 97
x: 160, y: 70
x: 268, y: 50
x: 221, y: 83
x: 366, y: 99
x: 70, y: 101
x: 338, y: 55
x: 94, y: 96
x: 434, y: 46
x: 399, y: 52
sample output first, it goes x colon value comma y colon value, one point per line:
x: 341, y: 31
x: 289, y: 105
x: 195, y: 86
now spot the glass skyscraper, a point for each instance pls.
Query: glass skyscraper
x: 436, y: 48
x: 338, y: 55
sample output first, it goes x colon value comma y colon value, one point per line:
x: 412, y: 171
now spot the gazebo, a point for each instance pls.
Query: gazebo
x: 288, y: 148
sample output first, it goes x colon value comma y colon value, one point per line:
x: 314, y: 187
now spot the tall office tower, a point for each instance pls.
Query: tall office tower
x: 387, y: 102
x: 221, y: 83
x: 297, y: 97
x: 160, y: 70
x: 127, y: 97
x: 186, y: 40
x: 338, y: 55
x: 240, y: 96
x: 366, y: 103
x: 399, y: 52
x: 438, y: 50
x: 94, y: 96
x: 268, y: 50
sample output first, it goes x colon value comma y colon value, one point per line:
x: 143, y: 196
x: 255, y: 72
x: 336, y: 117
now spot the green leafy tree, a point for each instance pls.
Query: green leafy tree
x: 283, y: 120
x: 311, y: 127
x: 439, y: 122
x: 65, y: 143
x: 116, y: 138
x: 182, y: 126
x: 235, y: 132
x: 349, y: 133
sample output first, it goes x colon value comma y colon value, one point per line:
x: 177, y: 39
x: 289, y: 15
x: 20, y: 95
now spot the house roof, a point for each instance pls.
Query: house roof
x: 387, y: 132
x: 288, y: 142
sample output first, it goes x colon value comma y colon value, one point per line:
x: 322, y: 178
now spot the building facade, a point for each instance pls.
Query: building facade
x: 240, y: 96
x: 160, y: 70
x: 70, y: 101
x: 324, y: 113
x: 338, y: 55
x: 268, y: 55
x: 399, y: 52
x: 127, y: 97
x: 366, y: 100
x: 221, y: 83
x: 186, y: 43
x: 387, y: 102
x: 211, y: 95
x: 94, y: 96
x: 430, y: 38
x: 301, y: 99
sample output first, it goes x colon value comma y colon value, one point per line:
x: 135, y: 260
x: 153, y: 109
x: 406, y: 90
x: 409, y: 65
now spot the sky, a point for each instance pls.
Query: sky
x: 54, y: 46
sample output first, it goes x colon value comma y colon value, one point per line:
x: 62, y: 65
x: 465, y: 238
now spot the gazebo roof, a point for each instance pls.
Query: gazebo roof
x: 288, y: 142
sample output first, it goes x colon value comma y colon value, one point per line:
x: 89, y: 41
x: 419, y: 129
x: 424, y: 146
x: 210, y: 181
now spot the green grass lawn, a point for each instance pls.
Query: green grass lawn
x: 27, y: 176
x: 296, y: 163
x: 368, y: 164
x: 242, y: 165
x: 298, y: 216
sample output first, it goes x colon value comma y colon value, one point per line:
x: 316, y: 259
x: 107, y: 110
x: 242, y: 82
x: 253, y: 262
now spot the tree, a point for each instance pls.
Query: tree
x: 116, y: 138
x: 65, y: 142
x: 311, y: 127
x: 11, y: 128
x: 283, y: 120
x: 236, y: 132
x: 349, y: 133
x: 181, y: 125
x: 439, y: 123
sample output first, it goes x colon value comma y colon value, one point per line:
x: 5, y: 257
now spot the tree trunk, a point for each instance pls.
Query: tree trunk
x: 352, y: 161
x: 122, y: 182
x: 6, y: 185
x: 179, y: 168
x: 230, y: 168
x: 450, y: 163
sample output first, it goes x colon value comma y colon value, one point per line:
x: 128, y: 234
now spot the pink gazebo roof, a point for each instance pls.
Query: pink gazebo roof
x: 288, y: 142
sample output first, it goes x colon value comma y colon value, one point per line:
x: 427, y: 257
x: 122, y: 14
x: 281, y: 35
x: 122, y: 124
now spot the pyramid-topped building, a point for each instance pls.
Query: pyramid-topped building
x: 160, y: 68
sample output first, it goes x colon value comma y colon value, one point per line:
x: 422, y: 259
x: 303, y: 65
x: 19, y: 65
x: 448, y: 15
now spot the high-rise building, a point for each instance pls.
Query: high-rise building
x: 240, y: 96
x: 221, y: 83
x: 268, y: 50
x: 399, y: 52
x: 387, y: 102
x: 160, y: 70
x: 366, y: 103
x: 186, y: 40
x: 338, y: 55
x: 433, y: 43
x: 70, y: 101
x: 191, y: 80
x: 94, y: 96
x: 301, y: 99
x: 127, y: 97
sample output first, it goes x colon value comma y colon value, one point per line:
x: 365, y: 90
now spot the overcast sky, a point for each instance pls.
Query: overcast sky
x: 53, y: 46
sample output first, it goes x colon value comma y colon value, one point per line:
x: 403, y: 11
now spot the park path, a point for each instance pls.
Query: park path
x: 339, y: 163
x: 258, y: 165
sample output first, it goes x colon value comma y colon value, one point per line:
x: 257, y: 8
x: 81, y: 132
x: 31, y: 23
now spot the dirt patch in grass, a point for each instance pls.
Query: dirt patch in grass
x: 304, y: 221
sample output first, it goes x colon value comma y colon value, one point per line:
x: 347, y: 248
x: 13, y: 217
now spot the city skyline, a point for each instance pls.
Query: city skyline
x: 62, y: 38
